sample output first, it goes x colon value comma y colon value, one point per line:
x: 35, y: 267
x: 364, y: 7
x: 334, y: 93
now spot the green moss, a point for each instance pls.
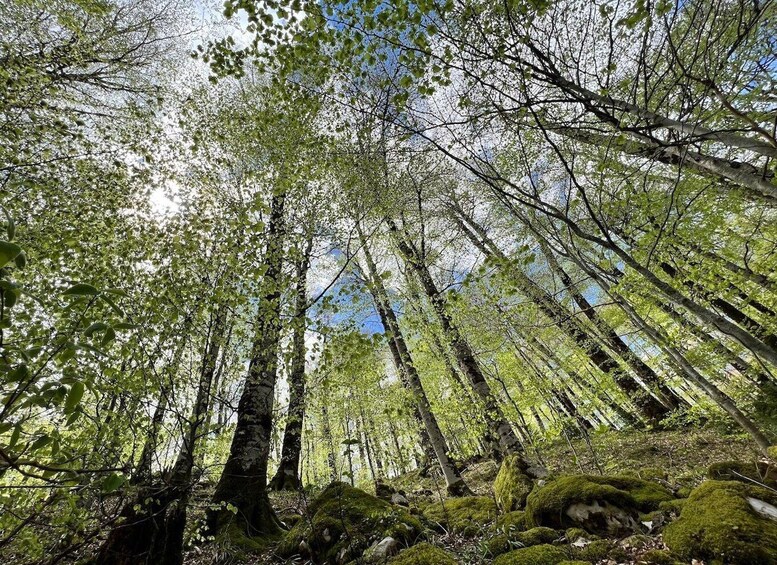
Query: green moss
x: 671, y: 508
x: 757, y: 471
x: 512, y: 521
x: 512, y: 485
x: 596, y: 551
x: 290, y: 519
x: 468, y: 515
x: 497, y: 545
x: 657, y: 557
x: 547, y: 505
x: 536, y: 555
x: 718, y: 524
x: 423, y: 554
x: 574, y: 534
x: 572, y: 562
x: 346, y: 518
x: 536, y: 536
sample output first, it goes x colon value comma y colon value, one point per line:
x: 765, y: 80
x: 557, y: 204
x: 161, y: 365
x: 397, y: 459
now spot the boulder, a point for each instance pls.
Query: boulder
x: 726, y: 521
x: 381, y: 551
x: 399, y: 499
x: 512, y: 485
x: 537, y: 555
x: 468, y: 515
x: 599, y: 505
x: 343, y: 521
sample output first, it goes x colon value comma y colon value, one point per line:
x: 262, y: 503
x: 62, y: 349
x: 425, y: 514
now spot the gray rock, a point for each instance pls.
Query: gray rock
x: 381, y: 551
x: 399, y: 500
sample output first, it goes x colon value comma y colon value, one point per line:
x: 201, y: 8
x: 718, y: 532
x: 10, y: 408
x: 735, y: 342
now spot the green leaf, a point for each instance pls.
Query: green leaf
x: 41, y: 442
x: 8, y: 252
x: 21, y: 260
x: 108, y: 337
x: 112, y: 482
x: 10, y: 297
x: 81, y: 289
x: 74, y: 396
x: 96, y: 327
x: 17, y: 430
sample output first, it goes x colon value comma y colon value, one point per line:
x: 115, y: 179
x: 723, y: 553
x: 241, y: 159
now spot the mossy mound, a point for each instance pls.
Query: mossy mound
x: 423, y: 554
x: 512, y: 521
x: 536, y: 536
x: 719, y: 524
x: 343, y: 521
x: 609, y: 505
x: 599, y: 550
x: 574, y: 534
x: 468, y: 515
x: 758, y: 471
x: 536, y: 555
x: 512, y: 485
x: 290, y: 520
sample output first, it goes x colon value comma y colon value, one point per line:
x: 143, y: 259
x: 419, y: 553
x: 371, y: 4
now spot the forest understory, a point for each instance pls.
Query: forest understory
x: 359, y: 282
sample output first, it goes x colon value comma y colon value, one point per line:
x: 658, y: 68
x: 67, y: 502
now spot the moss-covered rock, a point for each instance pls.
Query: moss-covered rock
x: 497, y: 545
x: 758, y: 471
x: 598, y: 550
x: 423, y: 554
x: 657, y: 557
x: 719, y: 523
x: 468, y: 515
x: 290, y: 520
x: 608, y: 505
x: 536, y: 536
x: 343, y: 521
x: 536, y: 555
x: 512, y: 485
x: 512, y: 521
x: 574, y: 534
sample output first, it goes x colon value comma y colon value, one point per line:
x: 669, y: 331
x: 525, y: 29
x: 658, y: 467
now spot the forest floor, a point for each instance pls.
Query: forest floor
x: 678, y: 459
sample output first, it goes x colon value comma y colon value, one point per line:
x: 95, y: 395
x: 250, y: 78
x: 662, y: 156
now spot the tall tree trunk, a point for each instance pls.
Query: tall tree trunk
x: 152, y: 529
x: 287, y: 475
x: 403, y: 362
x: 646, y: 374
x: 508, y: 440
x: 649, y: 406
x: 243, y: 482
x: 715, y: 394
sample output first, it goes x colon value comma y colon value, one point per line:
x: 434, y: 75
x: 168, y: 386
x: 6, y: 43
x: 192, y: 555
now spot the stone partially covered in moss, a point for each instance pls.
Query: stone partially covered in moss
x: 607, y: 505
x: 423, y: 554
x: 468, y: 515
x: 657, y: 557
x: 536, y: 536
x: 512, y: 484
x: 497, y: 545
x: 512, y: 521
x: 343, y: 521
x: 758, y: 471
x: 574, y: 534
x: 536, y: 555
x: 289, y: 520
x: 720, y: 524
